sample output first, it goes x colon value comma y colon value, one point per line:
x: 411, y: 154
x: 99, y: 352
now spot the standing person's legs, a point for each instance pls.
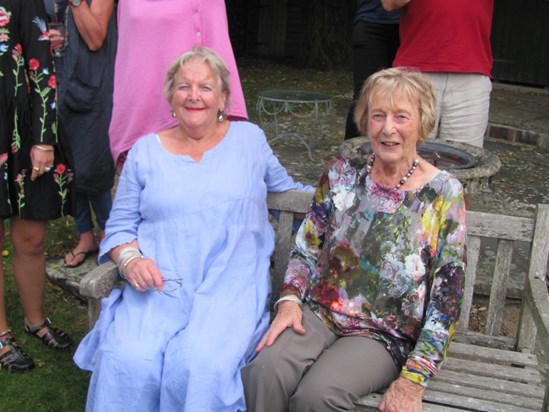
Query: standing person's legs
x: 101, y: 205
x: 439, y: 81
x: 12, y: 357
x: 83, y: 217
x: 273, y: 376
x: 84, y: 224
x: 29, y: 266
x: 352, y: 367
x: 463, y: 106
x: 374, y: 48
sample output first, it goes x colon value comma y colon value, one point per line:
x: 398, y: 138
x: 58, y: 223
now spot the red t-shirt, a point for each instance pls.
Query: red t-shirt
x: 446, y: 36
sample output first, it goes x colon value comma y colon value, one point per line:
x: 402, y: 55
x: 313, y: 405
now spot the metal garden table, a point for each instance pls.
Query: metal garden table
x: 297, y: 103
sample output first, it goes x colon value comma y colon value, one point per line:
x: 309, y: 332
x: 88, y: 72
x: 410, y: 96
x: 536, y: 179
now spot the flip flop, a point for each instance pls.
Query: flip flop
x: 75, y: 255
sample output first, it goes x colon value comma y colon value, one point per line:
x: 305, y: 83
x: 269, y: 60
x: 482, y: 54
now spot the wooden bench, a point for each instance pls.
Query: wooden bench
x: 483, y: 371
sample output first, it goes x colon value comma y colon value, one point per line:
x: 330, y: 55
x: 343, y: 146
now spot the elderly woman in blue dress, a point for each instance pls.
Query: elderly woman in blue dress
x: 373, y: 289
x: 189, y: 231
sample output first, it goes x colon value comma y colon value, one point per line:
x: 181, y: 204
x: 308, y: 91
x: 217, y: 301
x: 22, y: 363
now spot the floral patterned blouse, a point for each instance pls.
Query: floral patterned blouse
x: 384, y: 263
x: 28, y: 115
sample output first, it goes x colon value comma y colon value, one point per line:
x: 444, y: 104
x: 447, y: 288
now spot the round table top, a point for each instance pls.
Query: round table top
x: 294, y: 96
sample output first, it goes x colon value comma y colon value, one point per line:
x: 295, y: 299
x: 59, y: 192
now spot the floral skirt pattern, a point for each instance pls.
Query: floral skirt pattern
x: 47, y: 198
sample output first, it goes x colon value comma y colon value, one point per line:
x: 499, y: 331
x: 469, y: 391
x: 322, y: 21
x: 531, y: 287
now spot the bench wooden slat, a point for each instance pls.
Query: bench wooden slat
x: 291, y: 201
x: 500, y: 226
x: 369, y: 404
x: 469, y: 403
x: 535, y: 299
x: 473, y: 251
x: 514, y: 374
x: 503, y: 385
x: 442, y: 401
x: 491, y: 355
x: 487, y: 341
x: 498, y: 291
x: 283, y: 247
x: 490, y: 395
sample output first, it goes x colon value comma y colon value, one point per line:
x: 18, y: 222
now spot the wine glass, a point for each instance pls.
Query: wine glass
x: 57, y: 33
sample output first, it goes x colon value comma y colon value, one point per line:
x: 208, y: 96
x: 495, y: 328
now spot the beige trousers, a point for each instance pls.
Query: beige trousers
x: 463, y: 106
x: 317, y: 371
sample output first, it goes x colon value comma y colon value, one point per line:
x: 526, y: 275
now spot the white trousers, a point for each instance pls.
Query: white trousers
x: 463, y: 104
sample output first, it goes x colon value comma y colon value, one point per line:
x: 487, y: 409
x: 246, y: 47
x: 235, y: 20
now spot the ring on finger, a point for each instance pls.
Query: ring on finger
x: 136, y: 285
x: 36, y: 169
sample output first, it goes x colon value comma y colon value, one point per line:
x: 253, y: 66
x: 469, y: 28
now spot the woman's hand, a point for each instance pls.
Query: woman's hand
x: 40, y: 160
x: 391, y: 5
x: 289, y: 315
x: 56, y: 38
x: 402, y: 396
x: 143, y: 274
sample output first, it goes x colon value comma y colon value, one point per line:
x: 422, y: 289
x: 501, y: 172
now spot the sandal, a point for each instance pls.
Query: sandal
x: 15, y: 359
x: 80, y: 255
x: 54, y: 338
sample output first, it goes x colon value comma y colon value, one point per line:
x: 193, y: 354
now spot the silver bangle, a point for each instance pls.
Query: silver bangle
x: 124, y: 252
x: 127, y: 261
x: 126, y: 255
x: 290, y: 298
x: 42, y: 149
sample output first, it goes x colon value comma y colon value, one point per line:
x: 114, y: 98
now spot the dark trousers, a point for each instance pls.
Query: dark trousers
x: 374, y: 48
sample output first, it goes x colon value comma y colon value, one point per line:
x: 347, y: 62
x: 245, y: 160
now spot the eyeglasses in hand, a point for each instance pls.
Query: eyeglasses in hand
x: 171, y: 285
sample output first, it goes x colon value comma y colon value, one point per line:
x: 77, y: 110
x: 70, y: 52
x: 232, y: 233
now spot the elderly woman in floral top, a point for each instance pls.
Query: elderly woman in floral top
x: 372, y: 293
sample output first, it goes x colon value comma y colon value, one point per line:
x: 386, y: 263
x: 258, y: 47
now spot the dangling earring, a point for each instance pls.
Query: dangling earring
x: 220, y: 116
x: 173, y: 114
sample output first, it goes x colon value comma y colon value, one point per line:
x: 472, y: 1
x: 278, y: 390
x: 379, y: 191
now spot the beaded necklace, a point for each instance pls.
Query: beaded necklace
x: 370, y: 165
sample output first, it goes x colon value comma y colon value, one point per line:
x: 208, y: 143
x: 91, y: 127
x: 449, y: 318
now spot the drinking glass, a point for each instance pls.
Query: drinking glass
x: 57, y: 33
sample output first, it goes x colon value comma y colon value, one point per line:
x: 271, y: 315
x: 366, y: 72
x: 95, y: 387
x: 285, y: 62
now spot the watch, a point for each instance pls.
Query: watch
x: 75, y: 3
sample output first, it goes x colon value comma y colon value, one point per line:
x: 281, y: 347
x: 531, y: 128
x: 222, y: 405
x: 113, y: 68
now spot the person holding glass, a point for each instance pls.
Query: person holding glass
x: 35, y: 179
x: 190, y: 234
x: 85, y: 70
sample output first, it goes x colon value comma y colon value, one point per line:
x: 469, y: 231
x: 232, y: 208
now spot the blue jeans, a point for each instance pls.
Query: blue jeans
x: 101, y: 205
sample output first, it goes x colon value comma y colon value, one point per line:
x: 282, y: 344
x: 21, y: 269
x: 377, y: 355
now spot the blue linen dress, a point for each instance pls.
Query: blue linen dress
x: 207, y: 224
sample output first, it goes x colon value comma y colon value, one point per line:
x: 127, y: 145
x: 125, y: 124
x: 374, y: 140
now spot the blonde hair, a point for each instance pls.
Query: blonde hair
x: 203, y: 55
x: 397, y: 82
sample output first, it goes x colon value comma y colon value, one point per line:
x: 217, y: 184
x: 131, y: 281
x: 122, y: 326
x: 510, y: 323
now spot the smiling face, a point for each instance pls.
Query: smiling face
x: 197, y: 97
x: 394, y: 127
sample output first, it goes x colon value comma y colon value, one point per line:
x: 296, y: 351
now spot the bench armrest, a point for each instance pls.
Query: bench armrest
x: 99, y: 282
x: 96, y: 285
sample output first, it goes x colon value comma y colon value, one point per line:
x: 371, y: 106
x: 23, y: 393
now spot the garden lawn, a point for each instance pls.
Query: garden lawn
x: 56, y: 384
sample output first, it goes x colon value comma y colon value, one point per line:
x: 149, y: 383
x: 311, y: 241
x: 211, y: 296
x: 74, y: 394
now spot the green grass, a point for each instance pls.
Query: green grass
x: 57, y: 384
